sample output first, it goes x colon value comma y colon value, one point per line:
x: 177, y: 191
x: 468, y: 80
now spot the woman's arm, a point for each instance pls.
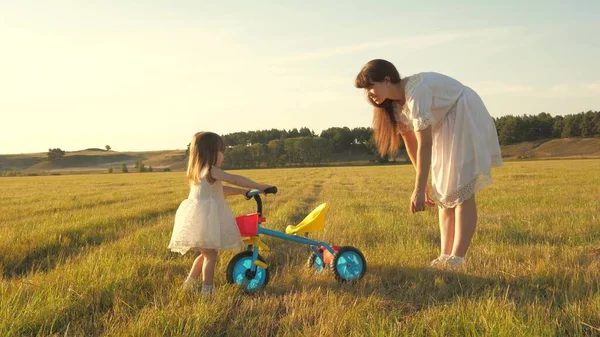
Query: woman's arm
x: 420, y: 148
x: 424, y: 144
x: 420, y: 196
x: 410, y: 143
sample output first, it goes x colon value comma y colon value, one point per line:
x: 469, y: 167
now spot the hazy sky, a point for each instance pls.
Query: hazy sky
x: 146, y: 75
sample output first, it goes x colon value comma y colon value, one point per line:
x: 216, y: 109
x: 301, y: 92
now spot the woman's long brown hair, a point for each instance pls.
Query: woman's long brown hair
x: 386, y: 128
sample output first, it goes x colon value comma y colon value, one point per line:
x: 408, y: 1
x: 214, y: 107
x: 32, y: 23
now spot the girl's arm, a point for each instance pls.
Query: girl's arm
x: 424, y: 142
x: 219, y: 174
x: 228, y: 190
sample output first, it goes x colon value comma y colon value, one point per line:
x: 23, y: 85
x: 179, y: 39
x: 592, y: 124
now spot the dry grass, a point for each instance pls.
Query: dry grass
x: 86, y: 255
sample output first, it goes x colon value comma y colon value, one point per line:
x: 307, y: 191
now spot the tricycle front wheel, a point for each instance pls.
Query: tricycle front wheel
x: 239, y: 272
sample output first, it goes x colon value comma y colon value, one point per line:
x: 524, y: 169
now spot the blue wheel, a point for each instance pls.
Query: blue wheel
x: 316, y: 263
x: 238, y: 272
x: 348, y: 264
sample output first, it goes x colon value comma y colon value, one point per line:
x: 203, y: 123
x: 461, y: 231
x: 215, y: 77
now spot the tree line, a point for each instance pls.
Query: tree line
x: 302, y: 147
x: 515, y: 129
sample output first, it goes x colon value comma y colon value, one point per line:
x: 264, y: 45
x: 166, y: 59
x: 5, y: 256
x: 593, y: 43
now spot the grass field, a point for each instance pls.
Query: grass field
x: 86, y: 256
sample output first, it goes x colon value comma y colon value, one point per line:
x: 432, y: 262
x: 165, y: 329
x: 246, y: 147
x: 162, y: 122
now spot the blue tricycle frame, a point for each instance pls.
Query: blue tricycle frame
x: 249, y: 270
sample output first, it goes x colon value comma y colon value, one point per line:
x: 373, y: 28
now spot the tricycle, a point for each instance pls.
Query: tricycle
x: 249, y: 270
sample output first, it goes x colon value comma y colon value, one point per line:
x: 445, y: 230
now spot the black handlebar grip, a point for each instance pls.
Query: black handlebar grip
x: 271, y: 190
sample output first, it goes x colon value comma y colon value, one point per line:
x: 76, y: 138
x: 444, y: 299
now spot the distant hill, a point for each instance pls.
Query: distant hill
x: 99, y: 160
x: 92, y: 160
x: 554, y: 148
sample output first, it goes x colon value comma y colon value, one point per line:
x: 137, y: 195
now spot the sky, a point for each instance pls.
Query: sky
x: 147, y: 75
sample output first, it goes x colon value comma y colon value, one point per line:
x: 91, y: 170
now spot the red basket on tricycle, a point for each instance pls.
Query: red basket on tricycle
x: 248, y: 224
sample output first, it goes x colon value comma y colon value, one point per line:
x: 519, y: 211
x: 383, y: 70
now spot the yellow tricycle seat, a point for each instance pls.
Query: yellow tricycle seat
x: 313, y: 222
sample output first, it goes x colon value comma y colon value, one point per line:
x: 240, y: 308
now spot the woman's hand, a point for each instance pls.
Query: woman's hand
x: 428, y: 200
x: 417, y: 201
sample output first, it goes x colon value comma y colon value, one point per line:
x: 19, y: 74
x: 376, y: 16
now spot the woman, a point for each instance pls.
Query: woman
x: 446, y: 128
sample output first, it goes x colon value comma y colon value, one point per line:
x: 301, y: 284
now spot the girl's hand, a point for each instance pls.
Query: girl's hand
x: 417, y: 201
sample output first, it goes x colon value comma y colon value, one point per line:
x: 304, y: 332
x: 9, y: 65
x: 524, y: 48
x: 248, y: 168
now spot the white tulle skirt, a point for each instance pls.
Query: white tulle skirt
x: 204, y: 224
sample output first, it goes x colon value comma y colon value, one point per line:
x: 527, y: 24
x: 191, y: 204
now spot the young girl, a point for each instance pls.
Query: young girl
x: 446, y: 127
x: 204, y: 221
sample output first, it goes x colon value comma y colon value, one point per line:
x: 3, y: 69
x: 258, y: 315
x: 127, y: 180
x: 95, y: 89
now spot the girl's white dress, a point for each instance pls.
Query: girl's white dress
x: 465, y: 141
x: 205, y: 220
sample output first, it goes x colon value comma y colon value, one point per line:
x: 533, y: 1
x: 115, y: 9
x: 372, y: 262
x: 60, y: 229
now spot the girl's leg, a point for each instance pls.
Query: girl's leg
x: 208, y: 267
x: 196, y: 268
x: 447, y: 226
x: 466, y: 222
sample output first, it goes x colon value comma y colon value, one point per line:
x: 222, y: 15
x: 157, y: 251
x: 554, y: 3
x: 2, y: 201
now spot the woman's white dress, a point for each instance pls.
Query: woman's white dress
x: 465, y: 141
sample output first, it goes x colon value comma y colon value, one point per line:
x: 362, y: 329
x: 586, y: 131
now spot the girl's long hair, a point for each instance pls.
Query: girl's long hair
x: 204, y: 150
